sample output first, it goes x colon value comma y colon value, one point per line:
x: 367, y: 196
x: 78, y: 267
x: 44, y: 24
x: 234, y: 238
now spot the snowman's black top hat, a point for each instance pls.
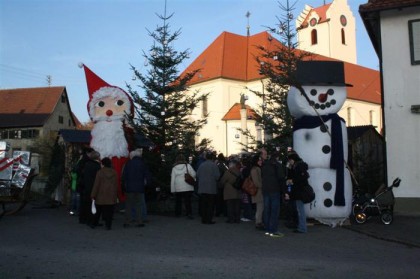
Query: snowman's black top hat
x: 321, y: 73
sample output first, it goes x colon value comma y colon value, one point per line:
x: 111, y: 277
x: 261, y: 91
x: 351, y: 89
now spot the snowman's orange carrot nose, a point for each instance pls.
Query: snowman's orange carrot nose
x: 323, y: 97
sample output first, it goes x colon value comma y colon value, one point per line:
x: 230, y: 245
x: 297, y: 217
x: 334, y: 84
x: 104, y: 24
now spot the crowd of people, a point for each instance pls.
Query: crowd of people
x: 217, y: 182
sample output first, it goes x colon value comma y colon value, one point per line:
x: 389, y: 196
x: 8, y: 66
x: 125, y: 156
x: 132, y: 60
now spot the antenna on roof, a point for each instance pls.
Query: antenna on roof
x: 248, y: 14
x: 49, y: 80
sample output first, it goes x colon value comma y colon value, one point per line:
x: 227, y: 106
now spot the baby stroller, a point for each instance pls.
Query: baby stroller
x: 382, y: 204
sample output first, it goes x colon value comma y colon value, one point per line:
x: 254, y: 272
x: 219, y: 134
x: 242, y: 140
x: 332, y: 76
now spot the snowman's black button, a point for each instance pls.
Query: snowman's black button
x: 327, y: 186
x: 328, y: 202
x: 326, y: 149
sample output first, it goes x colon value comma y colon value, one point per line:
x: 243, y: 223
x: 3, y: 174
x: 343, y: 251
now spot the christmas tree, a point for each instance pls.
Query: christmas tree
x: 163, y: 110
x: 278, y: 65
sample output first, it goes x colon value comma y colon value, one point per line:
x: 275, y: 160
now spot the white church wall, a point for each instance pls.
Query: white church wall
x: 362, y: 113
x: 329, y: 34
x: 401, y: 90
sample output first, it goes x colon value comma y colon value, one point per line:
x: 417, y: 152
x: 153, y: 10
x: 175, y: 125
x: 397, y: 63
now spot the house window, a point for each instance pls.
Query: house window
x: 350, y: 116
x: 314, y: 37
x: 343, y: 36
x: 60, y: 119
x: 204, y: 111
x: 372, y: 118
x: 414, y: 33
x: 63, y: 99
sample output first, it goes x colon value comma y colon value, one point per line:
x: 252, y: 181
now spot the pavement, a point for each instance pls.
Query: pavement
x: 405, y: 228
x: 45, y: 242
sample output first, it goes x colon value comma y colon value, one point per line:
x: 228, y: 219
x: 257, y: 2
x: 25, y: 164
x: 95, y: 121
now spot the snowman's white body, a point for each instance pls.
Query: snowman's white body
x: 314, y: 146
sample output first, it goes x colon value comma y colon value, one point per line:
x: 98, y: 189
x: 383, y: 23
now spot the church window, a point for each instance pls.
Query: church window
x: 204, y: 111
x: 343, y: 36
x: 314, y: 37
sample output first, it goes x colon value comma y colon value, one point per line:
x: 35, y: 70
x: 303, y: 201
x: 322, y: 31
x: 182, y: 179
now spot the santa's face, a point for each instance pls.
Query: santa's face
x: 325, y: 99
x: 109, y: 104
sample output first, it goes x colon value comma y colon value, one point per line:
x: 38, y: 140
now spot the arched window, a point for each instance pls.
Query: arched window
x: 343, y: 36
x: 314, y: 37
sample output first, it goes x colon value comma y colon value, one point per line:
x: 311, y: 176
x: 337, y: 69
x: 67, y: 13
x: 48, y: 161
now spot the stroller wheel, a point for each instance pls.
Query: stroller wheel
x: 357, y: 208
x: 386, y: 217
x: 360, y: 217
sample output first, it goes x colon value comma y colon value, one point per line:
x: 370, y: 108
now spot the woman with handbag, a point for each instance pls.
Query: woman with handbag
x: 297, y: 177
x: 258, y: 199
x: 180, y: 188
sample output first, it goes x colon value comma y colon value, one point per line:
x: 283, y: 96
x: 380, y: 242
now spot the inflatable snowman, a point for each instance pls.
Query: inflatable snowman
x: 320, y: 138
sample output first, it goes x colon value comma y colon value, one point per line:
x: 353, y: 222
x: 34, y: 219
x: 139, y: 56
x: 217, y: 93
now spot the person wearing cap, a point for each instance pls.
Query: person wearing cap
x: 297, y: 178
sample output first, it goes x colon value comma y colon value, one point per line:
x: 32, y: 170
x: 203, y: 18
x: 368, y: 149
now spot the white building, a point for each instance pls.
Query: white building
x: 229, y: 69
x: 394, y: 29
x: 329, y: 30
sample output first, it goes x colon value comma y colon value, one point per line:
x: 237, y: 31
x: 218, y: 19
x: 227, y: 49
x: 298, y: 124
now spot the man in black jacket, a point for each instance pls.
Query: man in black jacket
x: 273, y: 187
x: 91, y: 167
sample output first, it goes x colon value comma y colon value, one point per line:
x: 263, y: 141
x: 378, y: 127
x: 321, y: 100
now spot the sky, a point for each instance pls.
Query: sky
x: 41, y: 38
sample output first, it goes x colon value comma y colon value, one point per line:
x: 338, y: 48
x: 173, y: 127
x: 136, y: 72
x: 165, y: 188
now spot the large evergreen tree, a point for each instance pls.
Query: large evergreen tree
x: 163, y: 110
x: 278, y: 66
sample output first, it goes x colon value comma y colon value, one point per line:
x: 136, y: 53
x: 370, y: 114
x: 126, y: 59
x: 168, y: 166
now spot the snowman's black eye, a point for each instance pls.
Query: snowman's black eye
x: 100, y: 104
x: 120, y: 102
x: 330, y: 92
x: 313, y: 92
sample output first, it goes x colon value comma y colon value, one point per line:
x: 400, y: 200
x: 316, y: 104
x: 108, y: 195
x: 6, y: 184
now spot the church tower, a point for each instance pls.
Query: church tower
x: 329, y: 30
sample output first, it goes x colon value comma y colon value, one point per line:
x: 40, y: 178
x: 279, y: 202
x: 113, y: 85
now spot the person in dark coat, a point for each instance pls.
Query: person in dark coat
x: 105, y: 193
x: 91, y: 167
x: 220, y: 203
x: 273, y: 186
x: 297, y: 178
x: 79, y: 170
x: 136, y: 176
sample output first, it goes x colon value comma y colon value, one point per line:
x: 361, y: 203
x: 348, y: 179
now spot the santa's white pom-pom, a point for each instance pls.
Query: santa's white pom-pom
x: 80, y: 64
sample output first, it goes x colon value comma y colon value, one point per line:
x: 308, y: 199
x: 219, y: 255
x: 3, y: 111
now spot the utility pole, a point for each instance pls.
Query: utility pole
x: 248, y: 14
x: 49, y: 80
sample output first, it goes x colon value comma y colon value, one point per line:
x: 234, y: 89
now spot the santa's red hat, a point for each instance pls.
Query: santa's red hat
x: 98, y: 88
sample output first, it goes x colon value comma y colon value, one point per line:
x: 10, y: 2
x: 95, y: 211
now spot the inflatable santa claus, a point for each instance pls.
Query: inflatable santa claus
x: 109, y: 108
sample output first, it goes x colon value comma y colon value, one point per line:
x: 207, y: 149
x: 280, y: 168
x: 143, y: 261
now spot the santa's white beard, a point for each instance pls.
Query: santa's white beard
x: 108, y: 139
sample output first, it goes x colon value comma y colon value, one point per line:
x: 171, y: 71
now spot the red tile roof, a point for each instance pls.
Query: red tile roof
x: 30, y: 100
x: 379, y: 5
x: 232, y: 56
x: 234, y: 113
x: 28, y: 107
x: 320, y: 11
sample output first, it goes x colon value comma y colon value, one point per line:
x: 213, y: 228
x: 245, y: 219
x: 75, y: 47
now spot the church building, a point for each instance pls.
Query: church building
x: 229, y: 70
